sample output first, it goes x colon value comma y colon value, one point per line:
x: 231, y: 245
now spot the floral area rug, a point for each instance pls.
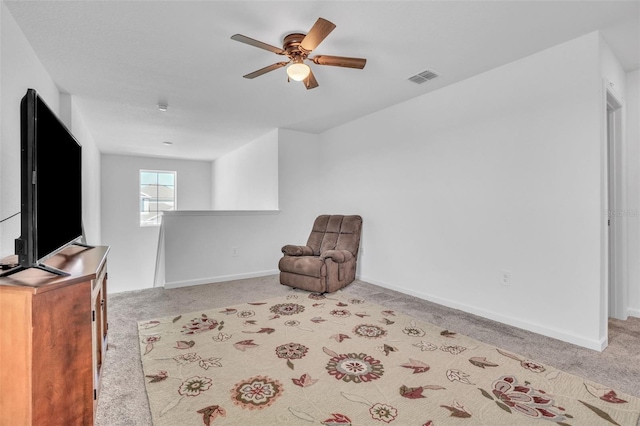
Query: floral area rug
x: 334, y: 360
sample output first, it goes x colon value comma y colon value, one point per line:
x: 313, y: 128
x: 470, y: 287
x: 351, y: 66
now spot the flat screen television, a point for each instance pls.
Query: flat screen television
x: 51, y: 186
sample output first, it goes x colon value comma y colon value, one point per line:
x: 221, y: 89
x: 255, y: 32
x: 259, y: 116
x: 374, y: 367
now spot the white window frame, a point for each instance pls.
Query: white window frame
x: 158, y: 216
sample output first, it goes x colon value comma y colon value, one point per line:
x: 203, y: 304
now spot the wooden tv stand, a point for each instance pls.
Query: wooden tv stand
x: 53, y: 338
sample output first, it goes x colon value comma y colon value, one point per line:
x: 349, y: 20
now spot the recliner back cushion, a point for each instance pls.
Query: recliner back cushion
x: 317, y: 233
x: 335, y: 232
x: 349, y: 237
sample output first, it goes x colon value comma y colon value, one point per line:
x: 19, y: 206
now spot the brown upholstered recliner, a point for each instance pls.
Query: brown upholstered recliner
x: 328, y: 261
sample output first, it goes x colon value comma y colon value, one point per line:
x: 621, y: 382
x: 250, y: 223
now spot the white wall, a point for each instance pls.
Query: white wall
x: 247, y: 178
x: 91, y: 184
x: 71, y: 116
x: 133, y: 248
x: 633, y: 188
x: 21, y: 70
x: 2, y: 212
x: 501, y: 171
x: 301, y: 173
x: 611, y: 69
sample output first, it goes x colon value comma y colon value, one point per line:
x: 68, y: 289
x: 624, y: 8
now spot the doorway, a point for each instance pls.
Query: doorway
x: 615, y: 210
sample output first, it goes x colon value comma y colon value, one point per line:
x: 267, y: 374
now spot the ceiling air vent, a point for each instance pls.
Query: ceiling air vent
x: 423, y: 77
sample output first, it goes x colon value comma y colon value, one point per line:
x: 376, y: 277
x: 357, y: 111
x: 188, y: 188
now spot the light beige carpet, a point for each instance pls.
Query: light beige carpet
x: 306, y: 358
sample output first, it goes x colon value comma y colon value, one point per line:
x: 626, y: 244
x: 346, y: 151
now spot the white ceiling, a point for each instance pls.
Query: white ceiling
x: 120, y: 58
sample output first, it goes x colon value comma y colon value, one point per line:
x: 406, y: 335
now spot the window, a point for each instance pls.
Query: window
x: 157, y: 194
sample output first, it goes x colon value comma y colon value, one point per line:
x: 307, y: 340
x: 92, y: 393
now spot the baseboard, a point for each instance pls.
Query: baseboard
x: 563, y: 335
x: 220, y: 279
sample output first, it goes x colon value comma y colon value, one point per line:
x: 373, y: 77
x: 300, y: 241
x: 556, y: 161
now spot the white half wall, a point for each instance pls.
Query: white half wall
x: 247, y: 178
x: 238, y: 244
x: 198, y: 247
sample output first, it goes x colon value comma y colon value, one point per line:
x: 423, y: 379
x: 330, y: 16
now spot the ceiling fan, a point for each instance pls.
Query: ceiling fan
x: 297, y: 47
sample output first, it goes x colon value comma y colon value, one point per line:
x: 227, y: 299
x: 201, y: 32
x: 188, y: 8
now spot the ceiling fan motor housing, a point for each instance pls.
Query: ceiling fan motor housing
x: 291, y: 45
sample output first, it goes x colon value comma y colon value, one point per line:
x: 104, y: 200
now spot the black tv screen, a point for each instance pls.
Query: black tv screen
x: 58, y: 188
x: 51, y: 184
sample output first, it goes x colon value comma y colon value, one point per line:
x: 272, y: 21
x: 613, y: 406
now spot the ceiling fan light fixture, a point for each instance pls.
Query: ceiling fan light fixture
x: 298, y: 70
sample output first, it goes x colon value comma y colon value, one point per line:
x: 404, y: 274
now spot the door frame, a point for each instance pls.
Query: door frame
x: 615, y: 220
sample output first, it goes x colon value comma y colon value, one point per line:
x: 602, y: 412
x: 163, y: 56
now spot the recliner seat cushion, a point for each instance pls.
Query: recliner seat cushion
x: 311, y: 266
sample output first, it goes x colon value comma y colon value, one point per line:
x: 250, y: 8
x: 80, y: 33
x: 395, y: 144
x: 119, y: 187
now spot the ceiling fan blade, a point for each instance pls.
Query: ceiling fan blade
x: 316, y: 34
x: 339, y: 61
x: 265, y: 70
x: 256, y: 43
x: 310, y: 82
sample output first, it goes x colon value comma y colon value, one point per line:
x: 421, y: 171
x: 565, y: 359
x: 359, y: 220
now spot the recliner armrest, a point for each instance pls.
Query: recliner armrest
x: 338, y: 256
x: 291, y: 250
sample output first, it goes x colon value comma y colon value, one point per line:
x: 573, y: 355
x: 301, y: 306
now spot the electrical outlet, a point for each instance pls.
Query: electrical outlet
x: 505, y: 277
x: 235, y: 251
